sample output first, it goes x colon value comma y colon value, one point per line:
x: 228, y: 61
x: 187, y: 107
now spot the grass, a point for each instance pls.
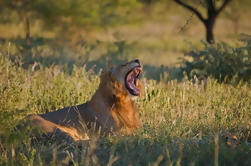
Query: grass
x: 184, y: 123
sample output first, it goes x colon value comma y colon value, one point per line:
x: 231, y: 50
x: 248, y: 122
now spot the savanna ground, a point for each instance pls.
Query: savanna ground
x: 185, y: 122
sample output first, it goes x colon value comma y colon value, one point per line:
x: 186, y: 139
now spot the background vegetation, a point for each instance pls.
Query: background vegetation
x: 196, y: 109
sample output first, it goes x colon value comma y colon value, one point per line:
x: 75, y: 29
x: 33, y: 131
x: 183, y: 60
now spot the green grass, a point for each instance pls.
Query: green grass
x: 182, y: 121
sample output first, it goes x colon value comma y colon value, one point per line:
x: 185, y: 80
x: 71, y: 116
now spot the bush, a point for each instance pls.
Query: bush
x: 220, y: 61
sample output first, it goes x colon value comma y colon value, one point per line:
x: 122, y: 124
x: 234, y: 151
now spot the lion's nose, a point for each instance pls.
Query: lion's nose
x: 137, y: 61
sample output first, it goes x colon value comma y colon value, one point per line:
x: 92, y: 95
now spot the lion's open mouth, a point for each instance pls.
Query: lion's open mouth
x: 131, y: 80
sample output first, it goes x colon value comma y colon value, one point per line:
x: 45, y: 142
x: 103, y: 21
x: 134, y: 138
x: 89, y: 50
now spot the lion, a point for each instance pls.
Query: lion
x: 110, y: 110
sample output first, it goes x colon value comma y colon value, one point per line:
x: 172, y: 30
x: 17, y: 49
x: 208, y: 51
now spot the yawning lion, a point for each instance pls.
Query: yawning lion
x: 111, y: 109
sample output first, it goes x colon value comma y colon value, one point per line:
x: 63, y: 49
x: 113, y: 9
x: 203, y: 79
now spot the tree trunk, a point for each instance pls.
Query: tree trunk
x: 209, y: 29
x: 27, y: 30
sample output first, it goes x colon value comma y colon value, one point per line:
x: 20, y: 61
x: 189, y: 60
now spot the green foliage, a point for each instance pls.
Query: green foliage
x: 68, y: 14
x: 85, y: 13
x: 220, y: 61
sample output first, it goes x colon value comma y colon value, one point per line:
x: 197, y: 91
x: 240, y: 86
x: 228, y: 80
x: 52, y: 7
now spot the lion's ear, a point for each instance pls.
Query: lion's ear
x: 105, y: 76
x: 112, y: 69
x: 110, y: 66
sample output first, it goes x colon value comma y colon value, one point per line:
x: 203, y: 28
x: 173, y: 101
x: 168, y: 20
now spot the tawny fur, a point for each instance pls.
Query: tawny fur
x: 111, y: 109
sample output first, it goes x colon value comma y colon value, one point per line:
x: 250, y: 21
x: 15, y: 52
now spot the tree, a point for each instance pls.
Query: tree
x: 236, y: 11
x: 212, y: 13
x: 21, y: 9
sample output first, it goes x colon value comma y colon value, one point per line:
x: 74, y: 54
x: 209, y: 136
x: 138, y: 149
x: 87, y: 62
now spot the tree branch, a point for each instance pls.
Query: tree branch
x: 196, y: 12
x: 222, y: 6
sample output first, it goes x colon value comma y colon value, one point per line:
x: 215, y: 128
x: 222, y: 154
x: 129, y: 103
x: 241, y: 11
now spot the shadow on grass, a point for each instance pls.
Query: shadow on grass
x: 131, y: 150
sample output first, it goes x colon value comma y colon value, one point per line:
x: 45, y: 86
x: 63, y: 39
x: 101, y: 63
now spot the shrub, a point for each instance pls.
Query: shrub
x: 220, y: 61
